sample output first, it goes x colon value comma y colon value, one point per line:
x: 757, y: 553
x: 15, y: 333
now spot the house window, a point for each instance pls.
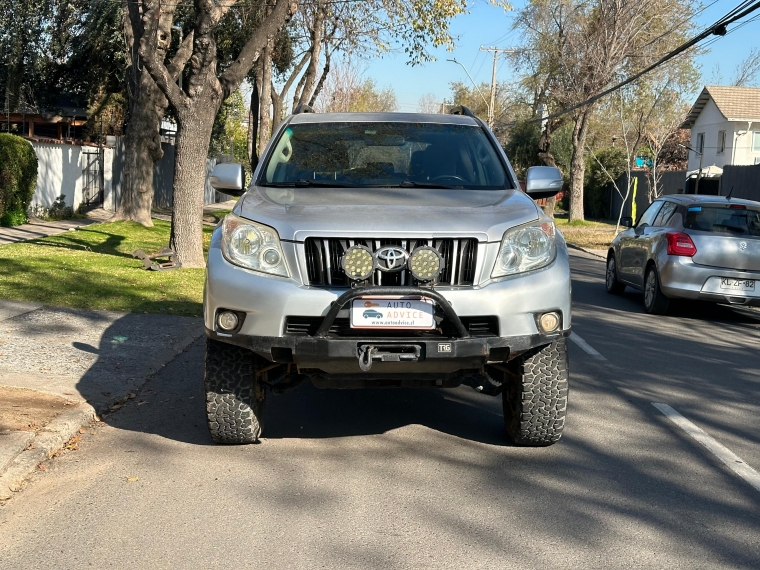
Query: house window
x: 721, y: 142
x: 756, y: 142
x: 700, y: 142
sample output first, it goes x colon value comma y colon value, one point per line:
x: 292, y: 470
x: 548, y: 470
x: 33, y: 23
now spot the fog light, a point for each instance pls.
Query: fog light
x: 227, y: 320
x: 358, y: 263
x: 549, y: 322
x: 425, y: 263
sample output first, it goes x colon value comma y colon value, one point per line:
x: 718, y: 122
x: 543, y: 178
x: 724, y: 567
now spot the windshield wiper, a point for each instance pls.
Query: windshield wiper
x: 413, y: 184
x: 302, y: 183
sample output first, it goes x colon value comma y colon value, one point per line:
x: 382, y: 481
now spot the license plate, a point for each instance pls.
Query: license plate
x: 388, y: 313
x: 737, y: 284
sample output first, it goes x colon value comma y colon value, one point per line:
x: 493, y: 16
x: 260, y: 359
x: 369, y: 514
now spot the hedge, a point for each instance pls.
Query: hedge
x: 18, y: 179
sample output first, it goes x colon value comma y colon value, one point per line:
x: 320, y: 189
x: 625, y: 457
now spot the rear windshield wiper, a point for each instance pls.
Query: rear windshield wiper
x: 413, y: 184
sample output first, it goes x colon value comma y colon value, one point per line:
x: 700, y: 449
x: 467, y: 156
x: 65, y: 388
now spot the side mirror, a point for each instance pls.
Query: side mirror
x: 228, y: 177
x: 543, y: 182
x: 626, y: 222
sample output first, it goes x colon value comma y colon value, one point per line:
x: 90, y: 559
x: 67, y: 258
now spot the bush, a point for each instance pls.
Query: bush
x: 18, y: 179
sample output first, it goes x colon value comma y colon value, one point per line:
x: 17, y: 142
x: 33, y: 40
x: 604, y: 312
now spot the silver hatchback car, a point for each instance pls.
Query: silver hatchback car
x: 384, y: 249
x: 690, y: 247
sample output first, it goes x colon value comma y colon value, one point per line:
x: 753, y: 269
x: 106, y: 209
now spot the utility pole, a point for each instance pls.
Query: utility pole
x: 496, y: 51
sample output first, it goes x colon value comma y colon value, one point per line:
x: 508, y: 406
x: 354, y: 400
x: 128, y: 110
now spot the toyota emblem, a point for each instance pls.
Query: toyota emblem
x: 743, y: 245
x: 391, y: 258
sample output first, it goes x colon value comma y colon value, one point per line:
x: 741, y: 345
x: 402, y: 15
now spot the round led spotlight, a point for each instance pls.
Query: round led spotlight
x: 358, y: 263
x: 425, y: 263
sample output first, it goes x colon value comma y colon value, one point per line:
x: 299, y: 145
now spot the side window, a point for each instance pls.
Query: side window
x: 649, y: 215
x: 665, y: 213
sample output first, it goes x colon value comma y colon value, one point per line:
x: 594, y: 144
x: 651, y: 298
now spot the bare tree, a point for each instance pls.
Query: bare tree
x: 746, y: 72
x: 429, y: 103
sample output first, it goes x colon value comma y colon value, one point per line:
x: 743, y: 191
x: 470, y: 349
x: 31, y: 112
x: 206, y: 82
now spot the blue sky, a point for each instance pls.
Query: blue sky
x: 487, y: 25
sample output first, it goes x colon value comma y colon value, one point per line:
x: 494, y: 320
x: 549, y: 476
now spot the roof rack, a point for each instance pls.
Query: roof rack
x: 461, y: 110
x: 303, y: 108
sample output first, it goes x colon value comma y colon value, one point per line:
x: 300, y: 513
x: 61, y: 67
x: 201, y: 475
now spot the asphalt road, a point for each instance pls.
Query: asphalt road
x: 424, y: 479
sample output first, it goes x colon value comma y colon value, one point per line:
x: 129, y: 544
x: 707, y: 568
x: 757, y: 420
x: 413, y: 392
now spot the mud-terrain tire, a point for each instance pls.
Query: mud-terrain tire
x: 535, y: 397
x: 614, y: 287
x: 234, y: 403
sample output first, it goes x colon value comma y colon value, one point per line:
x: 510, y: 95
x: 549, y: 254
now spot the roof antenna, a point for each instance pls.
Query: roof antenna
x: 729, y: 193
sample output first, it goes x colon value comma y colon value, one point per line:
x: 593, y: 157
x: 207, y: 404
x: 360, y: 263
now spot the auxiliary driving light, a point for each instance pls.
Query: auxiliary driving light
x: 358, y: 263
x: 549, y: 322
x: 425, y: 263
x: 228, y: 321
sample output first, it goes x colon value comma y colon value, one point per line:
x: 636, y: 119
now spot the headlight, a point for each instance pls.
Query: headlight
x: 526, y: 247
x: 253, y: 246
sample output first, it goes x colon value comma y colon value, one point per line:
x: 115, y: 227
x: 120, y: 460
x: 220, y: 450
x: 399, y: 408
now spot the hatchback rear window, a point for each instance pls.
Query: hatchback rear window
x: 371, y: 154
x: 723, y: 220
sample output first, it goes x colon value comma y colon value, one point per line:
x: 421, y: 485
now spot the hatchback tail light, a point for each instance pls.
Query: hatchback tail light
x: 680, y: 244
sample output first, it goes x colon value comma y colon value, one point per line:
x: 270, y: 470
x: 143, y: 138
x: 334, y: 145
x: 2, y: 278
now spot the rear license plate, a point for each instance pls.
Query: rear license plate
x: 737, y: 284
x: 385, y: 313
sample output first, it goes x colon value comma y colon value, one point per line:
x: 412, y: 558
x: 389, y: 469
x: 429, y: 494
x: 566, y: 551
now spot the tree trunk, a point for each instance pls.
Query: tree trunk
x: 189, y: 184
x: 544, y: 144
x: 253, y: 126
x: 277, y: 101
x: 265, y: 99
x: 142, y: 149
x: 578, y: 165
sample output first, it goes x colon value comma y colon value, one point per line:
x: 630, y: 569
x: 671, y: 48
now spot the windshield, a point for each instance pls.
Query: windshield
x: 384, y: 154
x: 736, y: 220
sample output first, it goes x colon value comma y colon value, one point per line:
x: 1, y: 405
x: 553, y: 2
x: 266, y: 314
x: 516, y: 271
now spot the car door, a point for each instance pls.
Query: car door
x: 653, y: 237
x: 633, y: 247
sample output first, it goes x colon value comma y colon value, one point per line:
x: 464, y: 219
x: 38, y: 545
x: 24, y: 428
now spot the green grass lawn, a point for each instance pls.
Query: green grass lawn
x: 586, y: 233
x: 93, y: 268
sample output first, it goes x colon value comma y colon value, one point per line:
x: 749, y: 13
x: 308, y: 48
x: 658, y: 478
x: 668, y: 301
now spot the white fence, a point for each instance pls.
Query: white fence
x: 74, y: 171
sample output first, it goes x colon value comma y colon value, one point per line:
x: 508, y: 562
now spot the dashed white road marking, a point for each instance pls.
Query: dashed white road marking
x: 587, y: 348
x: 732, y: 461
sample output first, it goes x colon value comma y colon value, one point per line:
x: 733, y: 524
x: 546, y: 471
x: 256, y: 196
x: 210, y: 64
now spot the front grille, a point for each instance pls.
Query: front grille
x: 323, y: 258
x: 307, y: 326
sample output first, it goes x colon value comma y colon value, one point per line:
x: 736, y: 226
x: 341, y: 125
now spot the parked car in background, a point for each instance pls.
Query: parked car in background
x: 690, y: 247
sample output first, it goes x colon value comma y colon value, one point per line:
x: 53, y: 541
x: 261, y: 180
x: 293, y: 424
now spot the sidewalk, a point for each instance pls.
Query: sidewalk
x: 59, y: 367
x: 37, y: 228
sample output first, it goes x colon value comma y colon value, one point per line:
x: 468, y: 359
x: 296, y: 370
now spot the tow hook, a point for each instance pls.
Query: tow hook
x: 364, y: 353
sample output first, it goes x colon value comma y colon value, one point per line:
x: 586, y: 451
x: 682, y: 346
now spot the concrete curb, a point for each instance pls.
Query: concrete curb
x: 584, y: 250
x: 42, y: 447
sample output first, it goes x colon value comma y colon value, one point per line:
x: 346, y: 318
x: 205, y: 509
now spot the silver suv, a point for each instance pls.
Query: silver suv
x: 387, y: 250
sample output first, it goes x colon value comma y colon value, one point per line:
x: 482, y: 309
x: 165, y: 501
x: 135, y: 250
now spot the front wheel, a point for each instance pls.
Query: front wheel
x: 234, y: 396
x: 655, y: 301
x: 535, y: 395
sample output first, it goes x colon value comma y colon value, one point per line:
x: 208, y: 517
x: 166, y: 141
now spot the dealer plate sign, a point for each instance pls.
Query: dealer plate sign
x: 389, y: 313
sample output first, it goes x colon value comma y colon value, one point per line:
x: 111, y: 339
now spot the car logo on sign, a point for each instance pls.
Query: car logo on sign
x: 391, y: 258
x: 743, y: 245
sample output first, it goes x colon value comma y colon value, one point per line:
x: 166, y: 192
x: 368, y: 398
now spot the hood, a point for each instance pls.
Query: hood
x: 298, y: 213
